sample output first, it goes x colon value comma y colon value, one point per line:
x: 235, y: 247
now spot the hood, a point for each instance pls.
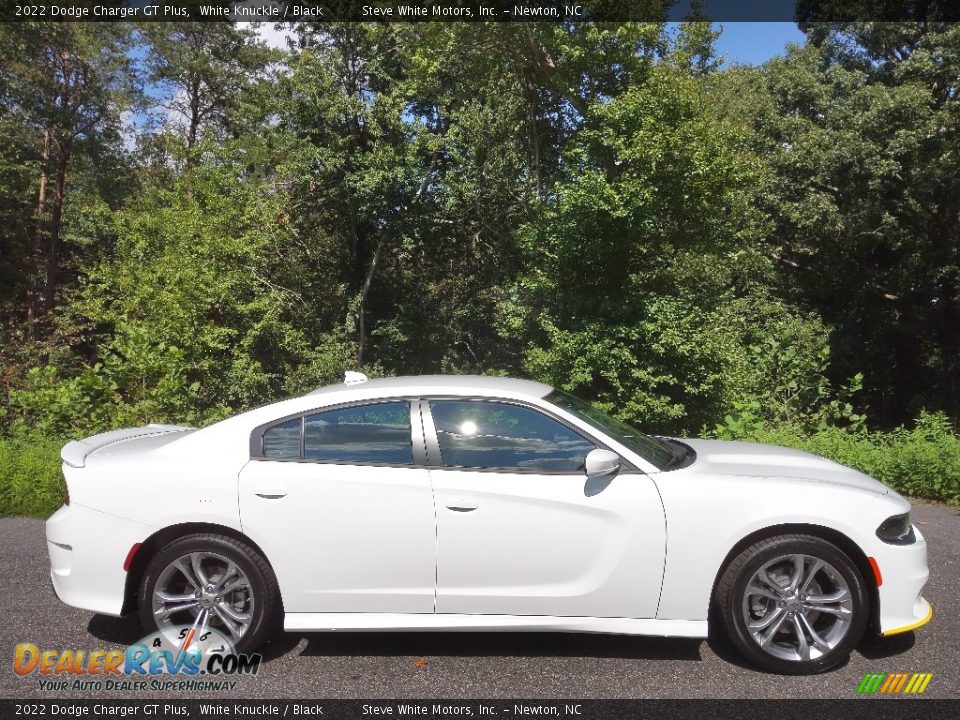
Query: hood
x: 746, y: 459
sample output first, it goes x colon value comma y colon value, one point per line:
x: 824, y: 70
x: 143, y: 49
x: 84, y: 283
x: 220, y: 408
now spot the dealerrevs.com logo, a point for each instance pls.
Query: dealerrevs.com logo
x: 171, y: 659
x: 894, y: 683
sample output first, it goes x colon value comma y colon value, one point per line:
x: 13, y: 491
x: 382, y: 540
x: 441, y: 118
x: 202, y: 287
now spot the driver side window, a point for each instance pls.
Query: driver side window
x: 507, y: 437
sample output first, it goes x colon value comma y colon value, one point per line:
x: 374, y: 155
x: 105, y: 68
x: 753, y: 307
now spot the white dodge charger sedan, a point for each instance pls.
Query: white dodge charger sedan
x: 481, y: 503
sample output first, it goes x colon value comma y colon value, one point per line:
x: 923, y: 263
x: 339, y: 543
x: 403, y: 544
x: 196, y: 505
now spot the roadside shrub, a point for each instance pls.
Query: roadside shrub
x: 31, y: 482
x: 922, y: 461
x: 792, y: 386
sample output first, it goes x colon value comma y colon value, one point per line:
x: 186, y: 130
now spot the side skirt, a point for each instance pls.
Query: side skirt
x: 440, y: 622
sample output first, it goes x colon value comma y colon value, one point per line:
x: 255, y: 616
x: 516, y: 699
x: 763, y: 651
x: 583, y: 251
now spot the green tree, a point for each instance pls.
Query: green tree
x: 644, y: 283
x: 186, y: 315
x: 859, y: 130
x: 207, y: 72
x: 66, y: 87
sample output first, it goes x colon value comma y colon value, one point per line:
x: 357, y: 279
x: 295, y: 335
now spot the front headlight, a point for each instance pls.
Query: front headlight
x: 897, y: 530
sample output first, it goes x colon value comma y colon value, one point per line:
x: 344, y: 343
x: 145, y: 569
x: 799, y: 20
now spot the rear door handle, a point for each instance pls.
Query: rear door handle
x: 270, y: 493
x: 462, y: 504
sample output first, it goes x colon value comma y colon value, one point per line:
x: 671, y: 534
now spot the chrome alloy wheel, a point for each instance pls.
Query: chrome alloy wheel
x: 204, y: 589
x: 797, y: 607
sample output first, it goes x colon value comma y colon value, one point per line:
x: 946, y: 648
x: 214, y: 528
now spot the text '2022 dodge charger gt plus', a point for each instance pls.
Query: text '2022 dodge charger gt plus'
x: 481, y: 503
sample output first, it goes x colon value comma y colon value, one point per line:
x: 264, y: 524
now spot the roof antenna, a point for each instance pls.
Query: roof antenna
x: 353, y: 378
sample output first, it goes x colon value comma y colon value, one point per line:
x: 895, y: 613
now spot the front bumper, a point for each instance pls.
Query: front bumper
x: 927, y: 617
x: 87, y: 550
x: 904, y: 572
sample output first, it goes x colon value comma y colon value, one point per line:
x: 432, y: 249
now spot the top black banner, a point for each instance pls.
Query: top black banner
x: 282, y: 11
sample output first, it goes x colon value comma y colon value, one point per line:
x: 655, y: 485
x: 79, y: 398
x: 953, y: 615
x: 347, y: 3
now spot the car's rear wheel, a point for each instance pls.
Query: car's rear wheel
x: 793, y: 604
x: 211, y: 581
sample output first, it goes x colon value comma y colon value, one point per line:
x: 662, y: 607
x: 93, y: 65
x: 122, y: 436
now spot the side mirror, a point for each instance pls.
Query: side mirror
x: 602, y: 462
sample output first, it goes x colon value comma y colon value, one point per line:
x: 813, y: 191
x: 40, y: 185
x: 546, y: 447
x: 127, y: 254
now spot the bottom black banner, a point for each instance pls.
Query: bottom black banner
x: 871, y: 709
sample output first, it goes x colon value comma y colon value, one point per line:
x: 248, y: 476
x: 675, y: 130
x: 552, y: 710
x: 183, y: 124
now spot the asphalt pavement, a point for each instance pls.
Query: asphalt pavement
x: 486, y: 665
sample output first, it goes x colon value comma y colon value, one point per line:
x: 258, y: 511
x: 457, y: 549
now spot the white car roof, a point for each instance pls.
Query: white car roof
x: 413, y: 385
x: 441, y: 384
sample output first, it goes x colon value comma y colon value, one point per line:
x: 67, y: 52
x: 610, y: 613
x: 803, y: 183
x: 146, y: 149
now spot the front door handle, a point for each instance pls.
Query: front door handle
x: 462, y: 504
x: 270, y: 493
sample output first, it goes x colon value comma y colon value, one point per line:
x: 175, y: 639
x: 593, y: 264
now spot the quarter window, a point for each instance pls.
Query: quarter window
x: 282, y: 442
x: 502, y: 436
x: 375, y: 433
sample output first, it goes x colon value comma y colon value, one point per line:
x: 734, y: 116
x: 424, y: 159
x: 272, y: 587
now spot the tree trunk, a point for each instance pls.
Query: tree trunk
x: 44, y: 177
x: 34, y: 303
x: 361, y: 344
x: 529, y: 96
x: 56, y: 216
x: 194, y: 112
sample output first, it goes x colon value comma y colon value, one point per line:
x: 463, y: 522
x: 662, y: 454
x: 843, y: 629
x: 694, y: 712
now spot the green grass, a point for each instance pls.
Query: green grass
x: 31, y: 482
x: 922, y: 462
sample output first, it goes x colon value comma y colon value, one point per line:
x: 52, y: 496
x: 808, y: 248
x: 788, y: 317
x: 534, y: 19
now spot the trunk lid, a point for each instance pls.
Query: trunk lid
x: 75, y: 453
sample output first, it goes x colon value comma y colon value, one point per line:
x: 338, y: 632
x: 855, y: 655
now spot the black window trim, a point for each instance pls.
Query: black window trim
x: 432, y: 441
x: 418, y: 450
x: 423, y: 436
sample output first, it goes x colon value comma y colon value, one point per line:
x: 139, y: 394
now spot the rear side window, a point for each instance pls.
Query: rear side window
x: 366, y: 434
x: 502, y: 436
x: 375, y: 433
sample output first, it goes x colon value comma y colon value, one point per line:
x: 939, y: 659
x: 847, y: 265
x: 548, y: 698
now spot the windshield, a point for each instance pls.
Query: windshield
x: 650, y: 449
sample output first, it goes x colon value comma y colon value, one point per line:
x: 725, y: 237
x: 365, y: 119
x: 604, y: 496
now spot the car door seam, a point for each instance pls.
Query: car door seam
x: 433, y: 496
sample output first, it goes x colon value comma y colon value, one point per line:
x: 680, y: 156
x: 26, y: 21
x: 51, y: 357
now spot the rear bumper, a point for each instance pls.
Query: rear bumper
x: 87, y: 549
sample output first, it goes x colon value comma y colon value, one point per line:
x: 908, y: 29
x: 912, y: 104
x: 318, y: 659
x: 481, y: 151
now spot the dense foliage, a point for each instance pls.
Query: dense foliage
x: 30, y: 479
x: 193, y: 223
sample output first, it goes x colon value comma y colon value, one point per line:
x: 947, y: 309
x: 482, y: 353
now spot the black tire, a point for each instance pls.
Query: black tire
x: 263, y: 583
x: 729, y: 599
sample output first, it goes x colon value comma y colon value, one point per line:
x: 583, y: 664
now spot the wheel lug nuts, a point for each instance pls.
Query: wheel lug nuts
x: 782, y: 604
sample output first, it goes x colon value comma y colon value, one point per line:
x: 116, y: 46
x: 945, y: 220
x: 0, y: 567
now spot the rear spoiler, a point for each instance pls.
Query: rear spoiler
x: 75, y: 453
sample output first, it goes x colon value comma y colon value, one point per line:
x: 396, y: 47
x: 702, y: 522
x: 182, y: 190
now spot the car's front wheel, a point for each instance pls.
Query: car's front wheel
x: 793, y: 604
x: 211, y: 581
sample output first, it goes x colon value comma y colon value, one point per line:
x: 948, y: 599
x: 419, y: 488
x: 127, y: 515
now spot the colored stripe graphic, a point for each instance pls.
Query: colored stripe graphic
x: 894, y: 683
x: 871, y: 682
x: 901, y: 678
x: 889, y: 682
